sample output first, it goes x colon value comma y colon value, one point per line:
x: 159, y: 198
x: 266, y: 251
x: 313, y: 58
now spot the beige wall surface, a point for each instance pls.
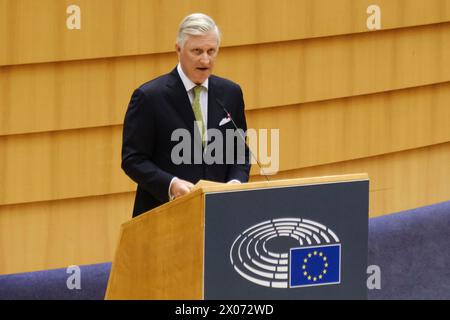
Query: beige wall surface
x: 344, y: 98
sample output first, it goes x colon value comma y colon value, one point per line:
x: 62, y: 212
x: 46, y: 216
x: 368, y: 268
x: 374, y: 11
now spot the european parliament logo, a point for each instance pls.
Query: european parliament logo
x: 288, y: 253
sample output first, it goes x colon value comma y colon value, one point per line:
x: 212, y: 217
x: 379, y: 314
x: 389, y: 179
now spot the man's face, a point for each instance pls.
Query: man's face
x: 197, y: 56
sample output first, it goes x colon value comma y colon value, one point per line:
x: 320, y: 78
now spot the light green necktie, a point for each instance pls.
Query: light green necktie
x: 198, y: 112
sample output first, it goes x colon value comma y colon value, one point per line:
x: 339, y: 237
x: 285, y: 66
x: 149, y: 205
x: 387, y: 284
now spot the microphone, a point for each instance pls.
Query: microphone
x: 242, y: 138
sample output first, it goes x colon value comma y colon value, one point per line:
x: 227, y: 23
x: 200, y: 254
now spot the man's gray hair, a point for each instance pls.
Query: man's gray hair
x: 196, y: 24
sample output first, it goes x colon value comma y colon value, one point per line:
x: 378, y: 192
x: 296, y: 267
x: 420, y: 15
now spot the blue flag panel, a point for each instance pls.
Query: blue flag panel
x: 317, y: 265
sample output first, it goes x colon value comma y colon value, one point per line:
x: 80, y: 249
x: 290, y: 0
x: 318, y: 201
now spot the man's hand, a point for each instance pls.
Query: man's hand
x: 180, y: 187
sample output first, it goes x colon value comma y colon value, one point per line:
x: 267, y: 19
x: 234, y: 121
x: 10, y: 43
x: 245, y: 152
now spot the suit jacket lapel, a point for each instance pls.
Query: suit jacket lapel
x: 215, y: 111
x: 179, y: 99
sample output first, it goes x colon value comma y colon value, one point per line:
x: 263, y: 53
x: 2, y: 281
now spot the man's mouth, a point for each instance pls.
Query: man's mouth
x: 202, y: 69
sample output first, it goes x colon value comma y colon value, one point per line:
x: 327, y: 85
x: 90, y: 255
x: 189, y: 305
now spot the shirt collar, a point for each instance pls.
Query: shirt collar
x: 188, y: 84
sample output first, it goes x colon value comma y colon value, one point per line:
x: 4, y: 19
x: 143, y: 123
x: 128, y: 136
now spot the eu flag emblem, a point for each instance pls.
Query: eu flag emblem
x: 316, y: 265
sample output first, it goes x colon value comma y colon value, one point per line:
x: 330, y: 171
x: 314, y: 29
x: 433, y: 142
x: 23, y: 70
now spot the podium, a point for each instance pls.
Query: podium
x: 285, y: 239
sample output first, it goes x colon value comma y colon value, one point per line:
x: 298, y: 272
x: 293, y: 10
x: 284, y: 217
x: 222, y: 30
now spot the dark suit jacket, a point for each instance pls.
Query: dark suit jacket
x: 156, y: 109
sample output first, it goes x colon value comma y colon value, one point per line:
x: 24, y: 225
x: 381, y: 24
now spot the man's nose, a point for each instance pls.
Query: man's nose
x: 205, y: 58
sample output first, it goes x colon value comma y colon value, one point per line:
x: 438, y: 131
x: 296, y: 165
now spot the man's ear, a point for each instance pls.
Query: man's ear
x: 177, y: 48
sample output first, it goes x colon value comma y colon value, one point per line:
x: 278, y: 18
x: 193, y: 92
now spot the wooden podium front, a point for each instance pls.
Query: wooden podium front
x: 161, y: 254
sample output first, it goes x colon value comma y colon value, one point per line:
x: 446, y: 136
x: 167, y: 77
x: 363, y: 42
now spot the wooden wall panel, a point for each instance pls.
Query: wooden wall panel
x: 133, y: 27
x: 77, y: 163
x: 69, y: 95
x: 358, y: 127
x: 66, y: 164
x: 59, y: 96
x: 56, y: 234
x: 398, y: 181
x: 327, y: 68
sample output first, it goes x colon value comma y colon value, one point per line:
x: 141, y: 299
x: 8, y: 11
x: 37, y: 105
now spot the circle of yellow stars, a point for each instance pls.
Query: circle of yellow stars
x: 314, y: 278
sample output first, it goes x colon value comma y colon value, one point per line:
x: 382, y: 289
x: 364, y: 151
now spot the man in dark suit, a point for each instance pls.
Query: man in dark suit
x: 191, y: 99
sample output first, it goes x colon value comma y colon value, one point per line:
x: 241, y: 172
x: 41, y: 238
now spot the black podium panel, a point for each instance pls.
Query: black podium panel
x: 297, y: 242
